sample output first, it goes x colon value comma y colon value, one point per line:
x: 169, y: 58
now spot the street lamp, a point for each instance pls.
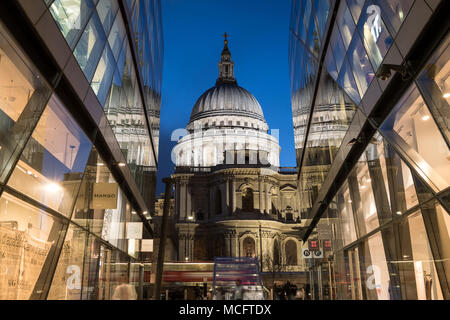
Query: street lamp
x: 187, y: 245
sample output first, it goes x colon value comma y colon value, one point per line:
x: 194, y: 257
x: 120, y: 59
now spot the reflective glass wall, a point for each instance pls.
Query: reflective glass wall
x: 68, y: 223
x: 388, y: 222
x: 126, y: 81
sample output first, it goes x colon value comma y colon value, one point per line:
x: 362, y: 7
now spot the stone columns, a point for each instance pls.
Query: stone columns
x: 260, y: 186
x: 227, y: 197
x: 183, y: 199
x: 268, y: 202
x: 211, y: 212
x: 233, y: 196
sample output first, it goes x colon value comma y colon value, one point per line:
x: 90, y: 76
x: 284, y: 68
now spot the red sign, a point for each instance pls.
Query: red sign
x: 327, y: 245
x: 313, y: 245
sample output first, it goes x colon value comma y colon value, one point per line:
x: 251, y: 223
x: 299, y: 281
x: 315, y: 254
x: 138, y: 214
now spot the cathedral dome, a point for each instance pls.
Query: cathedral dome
x: 227, y: 99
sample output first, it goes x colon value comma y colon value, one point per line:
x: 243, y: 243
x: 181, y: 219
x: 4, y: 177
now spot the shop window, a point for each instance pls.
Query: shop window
x: 412, y: 127
x: 426, y: 281
x: 53, y: 161
x: 434, y: 84
x: 23, y: 96
x: 67, y: 279
x: 28, y: 238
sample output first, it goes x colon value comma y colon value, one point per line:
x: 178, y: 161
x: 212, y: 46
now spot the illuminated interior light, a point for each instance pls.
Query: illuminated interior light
x: 363, y: 187
x: 190, y: 218
x: 133, y: 212
x: 349, y: 201
x: 53, y: 187
x: 399, y: 212
x: 29, y: 172
x: 425, y: 117
x: 447, y: 95
x: 122, y: 164
x: 368, y: 180
x: 186, y: 258
x: 100, y: 164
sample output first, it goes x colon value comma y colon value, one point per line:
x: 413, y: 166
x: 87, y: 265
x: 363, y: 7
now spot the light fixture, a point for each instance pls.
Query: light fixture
x: 349, y: 201
x: 363, y: 186
x: 100, y: 164
x: 145, y: 212
x: 133, y: 212
x: 423, y: 115
x: 446, y: 95
x: 121, y: 164
x: 399, y: 212
x: 368, y: 180
x: 29, y: 172
x: 186, y: 258
x: 52, y: 187
x: 190, y: 218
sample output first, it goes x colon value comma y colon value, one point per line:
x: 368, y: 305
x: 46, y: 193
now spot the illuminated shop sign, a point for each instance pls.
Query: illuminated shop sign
x: 104, y: 196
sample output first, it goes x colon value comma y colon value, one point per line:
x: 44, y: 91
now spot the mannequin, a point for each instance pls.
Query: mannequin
x: 428, y: 283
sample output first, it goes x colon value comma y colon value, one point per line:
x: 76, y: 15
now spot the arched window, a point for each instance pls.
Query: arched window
x: 290, y: 250
x: 248, y: 247
x: 276, y: 253
x: 218, y: 203
x: 247, y: 200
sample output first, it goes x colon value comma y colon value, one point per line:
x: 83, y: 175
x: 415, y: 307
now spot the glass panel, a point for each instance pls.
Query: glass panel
x: 394, y: 12
x: 376, y: 275
x: 425, y: 275
x: 362, y: 197
x: 90, y: 47
x: 346, y: 24
x: 434, y: 84
x: 331, y: 65
x: 117, y: 36
x: 412, y: 127
x: 321, y: 10
x: 71, y: 16
x: 360, y: 64
x: 101, y: 82
x: 67, y: 279
x: 376, y: 37
x: 346, y: 226
x: 103, y: 218
x: 355, y: 7
x: 347, y: 82
x: 52, y: 163
x: 27, y: 235
x: 107, y: 10
x: 23, y: 96
x: 338, y: 48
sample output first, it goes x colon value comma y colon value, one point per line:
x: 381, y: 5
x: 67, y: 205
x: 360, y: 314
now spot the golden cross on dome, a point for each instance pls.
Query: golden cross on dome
x: 225, y: 35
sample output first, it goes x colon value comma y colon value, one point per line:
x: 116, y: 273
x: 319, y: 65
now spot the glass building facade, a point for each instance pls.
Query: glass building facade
x: 370, y: 101
x: 80, y: 98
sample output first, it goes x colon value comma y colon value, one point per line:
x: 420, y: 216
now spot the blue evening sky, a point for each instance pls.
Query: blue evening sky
x: 193, y: 41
